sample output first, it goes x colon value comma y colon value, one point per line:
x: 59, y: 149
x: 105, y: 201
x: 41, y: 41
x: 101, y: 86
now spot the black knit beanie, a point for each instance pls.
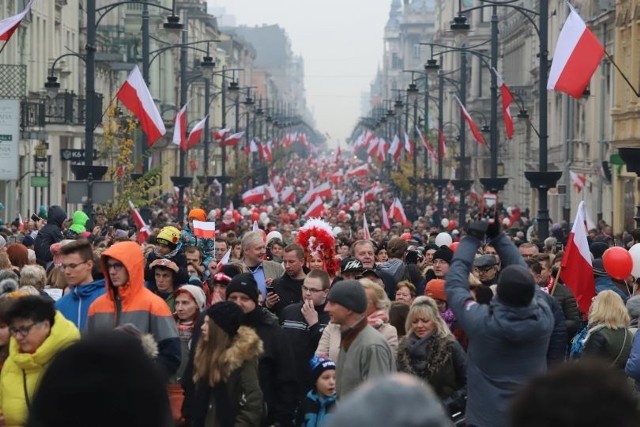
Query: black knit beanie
x: 516, y: 286
x: 228, y: 315
x: 244, y: 283
x: 444, y: 253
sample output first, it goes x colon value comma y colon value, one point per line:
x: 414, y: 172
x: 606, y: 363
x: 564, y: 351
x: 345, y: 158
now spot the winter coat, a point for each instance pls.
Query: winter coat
x: 289, y: 290
x: 314, y: 409
x: 22, y: 372
x: 632, y: 367
x: 75, y: 305
x: 567, y: 301
x: 49, y: 234
x: 329, y: 344
x: 507, y: 345
x: 242, y: 387
x: 446, y: 364
x: 604, y: 283
x: 135, y: 304
x: 206, y: 246
x: 611, y: 345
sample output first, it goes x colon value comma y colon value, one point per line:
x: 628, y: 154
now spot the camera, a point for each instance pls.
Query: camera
x: 413, y: 255
x: 489, y: 207
x: 35, y: 218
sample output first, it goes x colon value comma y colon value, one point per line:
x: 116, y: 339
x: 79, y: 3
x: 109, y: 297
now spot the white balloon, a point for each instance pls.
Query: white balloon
x: 355, y: 207
x: 269, y: 209
x: 337, y: 230
x: 444, y: 222
x: 347, y: 217
x: 244, y: 211
x: 274, y: 235
x: 291, y: 211
x: 264, y: 216
x: 635, y: 257
x: 443, y: 239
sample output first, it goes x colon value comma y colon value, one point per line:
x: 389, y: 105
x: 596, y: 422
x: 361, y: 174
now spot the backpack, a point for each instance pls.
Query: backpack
x: 579, y: 340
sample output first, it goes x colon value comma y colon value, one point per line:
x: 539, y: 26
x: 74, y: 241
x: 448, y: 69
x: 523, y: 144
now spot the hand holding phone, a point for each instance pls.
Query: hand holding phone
x: 489, y: 207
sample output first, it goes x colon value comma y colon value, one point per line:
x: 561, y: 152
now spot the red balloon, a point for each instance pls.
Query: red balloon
x: 617, y: 262
x: 452, y: 225
x: 406, y: 237
x: 293, y: 216
x: 453, y: 246
x: 255, y: 216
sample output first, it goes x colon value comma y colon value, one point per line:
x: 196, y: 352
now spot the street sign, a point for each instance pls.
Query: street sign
x: 39, y: 181
x: 74, y: 154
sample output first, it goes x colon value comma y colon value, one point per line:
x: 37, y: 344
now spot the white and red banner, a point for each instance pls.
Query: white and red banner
x: 426, y: 145
x: 315, y: 209
x: 396, y: 149
x: 408, y: 146
x: 507, y: 98
x: 232, y: 140
x: 361, y: 170
x: 254, y: 195
x: 180, y: 128
x: 323, y: 190
x: 385, y: 219
x: 196, y: 133
x: 579, y: 181
x: 472, y: 125
x: 9, y: 25
x: 204, y: 229
x: 287, y: 195
x: 397, y: 212
x: 577, y: 271
x: 134, y: 94
x: 577, y: 55
x: 220, y: 134
x: 143, y: 229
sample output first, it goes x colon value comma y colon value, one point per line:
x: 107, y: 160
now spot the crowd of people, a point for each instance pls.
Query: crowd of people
x: 278, y: 320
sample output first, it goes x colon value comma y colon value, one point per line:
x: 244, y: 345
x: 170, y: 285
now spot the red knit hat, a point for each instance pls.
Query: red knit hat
x: 435, y: 289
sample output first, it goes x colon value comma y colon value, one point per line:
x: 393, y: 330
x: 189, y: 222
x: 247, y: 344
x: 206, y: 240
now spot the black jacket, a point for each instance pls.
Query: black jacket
x: 180, y: 278
x: 304, y: 341
x: 567, y: 302
x: 289, y: 290
x: 49, y: 234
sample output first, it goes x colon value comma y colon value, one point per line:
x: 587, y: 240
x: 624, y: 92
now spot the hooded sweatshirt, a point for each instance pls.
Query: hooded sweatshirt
x: 79, y: 222
x: 75, y: 305
x: 49, y: 234
x: 507, y: 345
x: 135, y: 304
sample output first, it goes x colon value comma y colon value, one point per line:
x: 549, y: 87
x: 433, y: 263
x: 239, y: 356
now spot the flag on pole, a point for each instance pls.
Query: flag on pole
x: 287, y: 195
x: 220, y: 134
x: 579, y: 181
x: 196, y: 133
x: 308, y: 196
x: 254, y: 195
x: 472, y: 125
x: 507, y: 98
x: 426, y: 145
x: 397, y: 212
x: 408, y: 146
x: 577, y: 271
x: 134, y: 94
x: 232, y: 140
x: 204, y: 229
x: 395, y: 148
x: 180, y: 128
x: 315, y: 210
x: 225, y: 259
x: 253, y: 147
x: 385, y: 219
x: 577, y: 55
x: 143, y: 229
x: 9, y: 25
x: 365, y: 226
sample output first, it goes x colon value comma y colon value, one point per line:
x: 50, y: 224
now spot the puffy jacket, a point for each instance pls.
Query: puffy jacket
x: 135, y: 304
x: 572, y: 317
x: 75, y: 305
x: 21, y: 372
x: 49, y: 234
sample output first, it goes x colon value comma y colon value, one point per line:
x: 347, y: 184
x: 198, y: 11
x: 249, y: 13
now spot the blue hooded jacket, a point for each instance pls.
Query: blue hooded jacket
x: 74, y: 306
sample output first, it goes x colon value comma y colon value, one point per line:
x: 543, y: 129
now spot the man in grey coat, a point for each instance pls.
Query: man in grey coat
x: 364, y: 352
x: 508, y: 339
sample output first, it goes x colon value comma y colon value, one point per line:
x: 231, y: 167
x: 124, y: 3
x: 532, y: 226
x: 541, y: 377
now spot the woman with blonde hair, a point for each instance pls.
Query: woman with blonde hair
x: 430, y: 352
x: 608, y: 336
x: 225, y: 371
x: 405, y: 292
x: 33, y: 275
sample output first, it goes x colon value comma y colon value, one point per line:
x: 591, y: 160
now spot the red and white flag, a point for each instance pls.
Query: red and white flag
x: 253, y: 147
x: 365, y: 227
x: 361, y: 170
x: 315, y: 209
x: 442, y: 146
x: 220, y: 134
x: 396, y: 149
x: 143, y: 229
x: 385, y: 219
x: 270, y: 192
x: 426, y: 145
x: 180, y: 128
x: 20, y: 222
x: 577, y: 271
x: 308, y: 196
x: 287, y: 195
x: 398, y: 212
x: 382, y: 150
x: 371, y: 193
x: 408, y: 146
x: 9, y: 25
x: 373, y: 147
x: 196, y: 133
x: 134, y: 94
x: 232, y: 140
x: 323, y: 190
x: 579, y: 181
x: 472, y: 125
x: 254, y: 195
x: 577, y: 55
x: 336, y: 177
x: 507, y: 98
x: 204, y: 229
x: 225, y: 259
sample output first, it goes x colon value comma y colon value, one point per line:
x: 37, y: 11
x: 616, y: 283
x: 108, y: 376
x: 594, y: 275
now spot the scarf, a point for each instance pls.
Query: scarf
x: 378, y: 318
x: 448, y: 317
x: 170, y: 254
x: 427, y: 354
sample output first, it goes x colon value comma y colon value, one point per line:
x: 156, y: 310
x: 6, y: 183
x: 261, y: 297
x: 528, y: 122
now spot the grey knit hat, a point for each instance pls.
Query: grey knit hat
x: 633, y: 306
x: 349, y: 294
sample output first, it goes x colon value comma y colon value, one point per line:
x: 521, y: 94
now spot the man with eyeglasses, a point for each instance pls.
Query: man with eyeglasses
x: 77, y: 264
x: 127, y: 300
x: 303, y: 324
x: 485, y: 268
x: 286, y: 288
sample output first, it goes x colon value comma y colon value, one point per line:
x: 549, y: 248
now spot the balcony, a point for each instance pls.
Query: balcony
x: 66, y: 108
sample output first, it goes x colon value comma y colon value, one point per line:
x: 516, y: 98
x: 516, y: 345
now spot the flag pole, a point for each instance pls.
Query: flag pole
x: 624, y: 76
x: 555, y: 281
x: 4, y: 45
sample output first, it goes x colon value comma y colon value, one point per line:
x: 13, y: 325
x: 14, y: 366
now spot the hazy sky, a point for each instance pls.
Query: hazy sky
x: 341, y: 43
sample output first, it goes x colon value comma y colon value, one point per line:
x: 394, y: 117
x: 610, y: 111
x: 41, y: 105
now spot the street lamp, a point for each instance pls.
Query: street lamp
x: 543, y: 179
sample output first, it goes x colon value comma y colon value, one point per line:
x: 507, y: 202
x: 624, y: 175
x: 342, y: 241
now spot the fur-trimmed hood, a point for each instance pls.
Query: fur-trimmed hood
x: 245, y: 346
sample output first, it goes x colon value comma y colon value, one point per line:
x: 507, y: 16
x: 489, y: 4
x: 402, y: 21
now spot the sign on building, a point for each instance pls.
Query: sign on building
x: 9, y: 138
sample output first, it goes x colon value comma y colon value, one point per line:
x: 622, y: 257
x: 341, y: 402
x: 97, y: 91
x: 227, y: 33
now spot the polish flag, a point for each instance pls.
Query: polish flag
x: 270, y: 192
x: 253, y: 196
x: 143, y: 229
x: 20, y: 222
x: 371, y: 193
x: 204, y: 229
x: 253, y: 147
x: 579, y: 181
x: 323, y: 190
x: 9, y: 25
x: 134, y: 94
x: 382, y: 150
x: 385, y: 219
x: 232, y: 140
x: 442, y: 146
x: 368, y: 139
x: 398, y: 212
x: 472, y: 125
x: 373, y: 147
x: 408, y: 146
x: 315, y: 209
x: 365, y: 226
x: 577, y: 55
x: 287, y: 195
x: 507, y: 99
x: 180, y: 128
x: 395, y: 148
x: 362, y: 170
x: 225, y: 259
x: 196, y: 133
x: 337, y: 177
x: 220, y: 134
x: 577, y: 271
x: 426, y: 145
x: 308, y: 196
